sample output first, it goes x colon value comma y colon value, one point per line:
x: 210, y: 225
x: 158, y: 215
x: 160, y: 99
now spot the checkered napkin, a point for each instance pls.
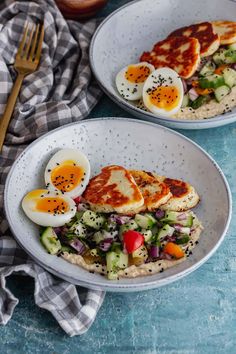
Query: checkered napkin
x: 59, y: 92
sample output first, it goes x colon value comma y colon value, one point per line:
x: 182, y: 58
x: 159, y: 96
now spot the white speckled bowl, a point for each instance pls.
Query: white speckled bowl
x: 126, y: 33
x: 133, y: 144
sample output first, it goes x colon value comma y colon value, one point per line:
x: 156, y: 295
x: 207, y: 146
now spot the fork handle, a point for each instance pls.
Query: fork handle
x: 4, y: 122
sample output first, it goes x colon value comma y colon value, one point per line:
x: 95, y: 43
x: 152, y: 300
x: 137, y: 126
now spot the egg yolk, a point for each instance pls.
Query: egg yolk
x: 165, y: 97
x: 67, y: 176
x: 137, y: 74
x: 52, y: 205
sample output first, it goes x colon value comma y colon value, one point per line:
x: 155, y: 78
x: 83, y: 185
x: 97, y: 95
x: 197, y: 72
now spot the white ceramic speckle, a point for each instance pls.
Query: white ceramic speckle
x: 132, y: 144
x: 134, y: 28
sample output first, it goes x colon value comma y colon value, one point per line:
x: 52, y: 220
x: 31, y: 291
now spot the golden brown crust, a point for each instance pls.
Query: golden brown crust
x: 203, y: 32
x: 113, y: 187
x: 226, y: 31
x: 182, y: 54
x: 155, y: 192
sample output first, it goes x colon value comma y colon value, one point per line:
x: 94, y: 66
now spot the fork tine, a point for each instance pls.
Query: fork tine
x: 22, y: 43
x: 34, y: 42
x: 26, y: 51
x: 40, y: 42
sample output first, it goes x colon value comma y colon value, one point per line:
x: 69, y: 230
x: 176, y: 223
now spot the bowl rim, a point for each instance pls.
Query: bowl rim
x: 227, y: 118
x: 118, y: 287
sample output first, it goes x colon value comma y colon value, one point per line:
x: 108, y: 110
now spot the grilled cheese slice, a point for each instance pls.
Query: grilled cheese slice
x: 155, y: 193
x: 184, y: 196
x: 182, y: 54
x: 114, y: 189
x: 204, y: 33
x: 226, y: 31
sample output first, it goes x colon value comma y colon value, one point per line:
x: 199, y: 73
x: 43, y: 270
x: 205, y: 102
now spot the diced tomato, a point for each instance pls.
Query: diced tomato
x: 202, y: 91
x: 220, y: 69
x: 173, y: 250
x: 77, y: 200
x: 132, y: 240
x: 195, y: 83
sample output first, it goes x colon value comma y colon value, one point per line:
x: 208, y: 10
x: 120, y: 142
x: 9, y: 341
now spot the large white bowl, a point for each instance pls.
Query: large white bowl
x: 133, y: 144
x: 126, y: 33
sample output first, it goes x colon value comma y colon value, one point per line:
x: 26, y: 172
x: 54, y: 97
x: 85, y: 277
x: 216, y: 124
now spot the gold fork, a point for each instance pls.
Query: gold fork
x: 26, y: 62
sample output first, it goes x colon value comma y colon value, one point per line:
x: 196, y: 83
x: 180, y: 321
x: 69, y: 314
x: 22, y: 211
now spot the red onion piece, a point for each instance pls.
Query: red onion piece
x: 164, y: 255
x: 193, y: 95
x: 184, y: 85
x: 77, y: 200
x: 182, y: 216
x: 119, y: 219
x: 57, y: 230
x: 191, y: 79
x: 106, y: 244
x: 77, y: 245
x: 154, y: 251
x: 159, y: 214
x: 234, y: 66
x: 82, y: 207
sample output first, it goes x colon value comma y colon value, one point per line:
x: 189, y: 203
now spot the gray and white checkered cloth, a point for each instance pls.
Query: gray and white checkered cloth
x: 59, y: 92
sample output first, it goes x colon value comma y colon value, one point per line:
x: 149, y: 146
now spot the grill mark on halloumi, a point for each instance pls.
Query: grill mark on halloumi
x: 184, y: 196
x: 155, y: 193
x: 114, y: 189
x: 204, y: 33
x: 226, y: 31
x: 182, y: 54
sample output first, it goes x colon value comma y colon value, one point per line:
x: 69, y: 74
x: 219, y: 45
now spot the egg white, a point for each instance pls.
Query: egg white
x: 59, y: 158
x: 170, y: 78
x: 130, y: 90
x: 29, y: 205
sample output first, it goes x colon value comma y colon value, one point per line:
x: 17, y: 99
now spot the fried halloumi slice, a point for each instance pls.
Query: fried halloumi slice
x: 226, y: 31
x: 182, y: 54
x: 208, y: 39
x: 155, y: 193
x: 184, y: 196
x: 114, y: 189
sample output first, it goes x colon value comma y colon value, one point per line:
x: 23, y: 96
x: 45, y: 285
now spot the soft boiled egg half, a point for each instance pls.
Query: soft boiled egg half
x: 48, y: 208
x: 68, y: 171
x: 163, y: 92
x: 130, y: 80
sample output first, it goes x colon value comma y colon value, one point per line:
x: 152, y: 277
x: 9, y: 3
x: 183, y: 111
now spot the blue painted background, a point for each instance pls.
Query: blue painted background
x: 194, y: 315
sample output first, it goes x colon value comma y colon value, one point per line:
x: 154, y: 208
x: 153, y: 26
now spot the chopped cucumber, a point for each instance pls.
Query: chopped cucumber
x: 221, y: 92
x: 67, y: 249
x: 98, y: 237
x: 226, y: 56
x: 230, y: 56
x: 211, y: 81
x: 131, y: 225
x: 92, y: 219
x: 109, y: 225
x: 146, y: 221
x: 166, y: 230
x: 178, y: 217
x: 79, y: 229
x: 207, y: 69
x: 50, y: 241
x: 229, y: 77
x: 232, y: 46
x: 219, y: 57
x: 182, y: 240
x: 116, y: 261
x: 200, y: 101
x: 185, y: 101
x: 147, y: 234
x: 140, y: 255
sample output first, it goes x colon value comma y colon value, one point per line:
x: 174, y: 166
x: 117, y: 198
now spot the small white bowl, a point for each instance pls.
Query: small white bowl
x: 132, y: 144
x: 134, y: 28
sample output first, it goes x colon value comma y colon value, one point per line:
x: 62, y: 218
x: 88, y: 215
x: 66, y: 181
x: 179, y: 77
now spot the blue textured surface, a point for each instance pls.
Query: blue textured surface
x: 194, y: 315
